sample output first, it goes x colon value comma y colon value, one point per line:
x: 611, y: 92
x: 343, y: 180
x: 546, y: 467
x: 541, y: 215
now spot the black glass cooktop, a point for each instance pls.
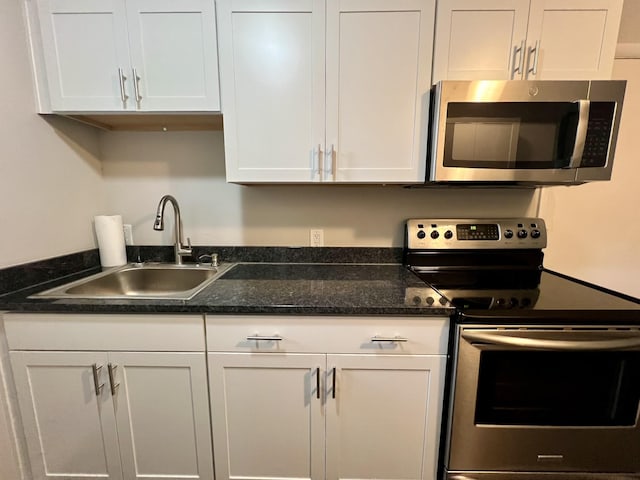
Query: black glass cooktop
x: 555, y: 296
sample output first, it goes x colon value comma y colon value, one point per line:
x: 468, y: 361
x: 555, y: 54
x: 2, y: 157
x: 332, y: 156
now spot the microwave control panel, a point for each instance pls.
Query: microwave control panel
x: 504, y: 233
x: 596, y: 144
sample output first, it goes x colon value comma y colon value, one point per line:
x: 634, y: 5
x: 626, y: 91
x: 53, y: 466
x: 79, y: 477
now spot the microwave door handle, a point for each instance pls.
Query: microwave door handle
x: 581, y: 133
x: 551, y: 344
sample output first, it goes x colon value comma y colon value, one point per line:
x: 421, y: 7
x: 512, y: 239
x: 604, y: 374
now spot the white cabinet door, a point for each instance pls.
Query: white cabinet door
x: 272, y: 69
x: 70, y: 429
x: 383, y: 416
x: 84, y: 46
x: 526, y: 39
x: 576, y: 39
x: 480, y: 40
x: 378, y: 79
x: 174, y: 56
x: 162, y: 413
x: 267, y: 415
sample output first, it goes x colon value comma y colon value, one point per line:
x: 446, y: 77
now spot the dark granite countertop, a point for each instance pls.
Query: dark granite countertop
x: 267, y: 288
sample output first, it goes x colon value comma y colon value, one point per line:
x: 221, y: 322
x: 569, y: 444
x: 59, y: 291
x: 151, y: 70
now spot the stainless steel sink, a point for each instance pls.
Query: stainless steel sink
x: 145, y: 281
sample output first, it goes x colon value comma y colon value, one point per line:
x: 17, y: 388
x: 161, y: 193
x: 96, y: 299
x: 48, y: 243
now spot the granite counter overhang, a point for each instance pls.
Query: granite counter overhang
x: 306, y: 289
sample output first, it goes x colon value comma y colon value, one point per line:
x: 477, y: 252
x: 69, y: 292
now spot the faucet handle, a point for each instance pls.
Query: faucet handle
x: 188, y: 244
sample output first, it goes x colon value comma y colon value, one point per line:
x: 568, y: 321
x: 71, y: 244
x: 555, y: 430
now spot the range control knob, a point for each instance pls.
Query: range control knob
x: 435, y: 234
x: 508, y: 234
x: 448, y: 234
x: 430, y: 300
x: 421, y: 234
x: 535, y: 233
x: 522, y: 233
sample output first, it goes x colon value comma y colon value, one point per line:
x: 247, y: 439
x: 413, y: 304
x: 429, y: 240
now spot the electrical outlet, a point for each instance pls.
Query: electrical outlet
x: 316, y: 238
x: 128, y: 234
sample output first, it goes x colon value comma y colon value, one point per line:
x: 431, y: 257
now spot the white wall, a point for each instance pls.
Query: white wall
x: 50, y: 185
x: 594, y: 229
x: 141, y: 167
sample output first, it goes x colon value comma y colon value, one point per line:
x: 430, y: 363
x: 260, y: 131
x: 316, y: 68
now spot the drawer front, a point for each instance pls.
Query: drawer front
x: 161, y: 333
x: 374, y: 335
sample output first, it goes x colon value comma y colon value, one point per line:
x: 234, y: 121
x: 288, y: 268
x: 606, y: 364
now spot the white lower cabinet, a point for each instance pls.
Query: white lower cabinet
x: 111, y: 414
x: 268, y: 421
x: 384, y: 418
x: 126, y: 397
x: 70, y: 430
x: 298, y: 405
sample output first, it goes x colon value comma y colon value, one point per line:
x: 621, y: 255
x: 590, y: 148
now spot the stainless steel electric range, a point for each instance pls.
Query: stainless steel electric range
x: 544, y: 374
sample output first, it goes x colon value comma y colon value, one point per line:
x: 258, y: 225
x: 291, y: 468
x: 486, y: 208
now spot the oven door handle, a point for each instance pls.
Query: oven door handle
x: 551, y: 344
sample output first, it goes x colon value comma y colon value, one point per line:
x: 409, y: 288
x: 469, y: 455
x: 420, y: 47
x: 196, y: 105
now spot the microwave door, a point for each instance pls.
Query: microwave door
x: 510, y: 141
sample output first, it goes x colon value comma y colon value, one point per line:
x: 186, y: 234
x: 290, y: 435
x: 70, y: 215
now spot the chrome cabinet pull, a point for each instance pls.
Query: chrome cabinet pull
x: 389, y: 339
x: 318, y: 159
x: 123, y: 93
x: 333, y: 383
x: 517, y: 66
x: 317, y: 382
x: 96, y: 382
x: 112, y: 374
x: 536, y: 51
x: 265, y: 338
x: 330, y: 157
x: 136, y: 86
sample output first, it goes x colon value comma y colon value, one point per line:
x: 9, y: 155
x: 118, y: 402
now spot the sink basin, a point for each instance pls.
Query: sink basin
x: 150, y: 281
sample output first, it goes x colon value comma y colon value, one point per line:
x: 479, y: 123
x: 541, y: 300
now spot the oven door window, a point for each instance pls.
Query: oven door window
x: 510, y: 135
x: 549, y: 388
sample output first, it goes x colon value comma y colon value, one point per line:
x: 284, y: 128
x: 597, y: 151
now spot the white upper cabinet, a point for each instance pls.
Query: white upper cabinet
x: 325, y: 92
x: 129, y: 55
x: 576, y: 38
x: 272, y: 86
x: 378, y: 77
x: 525, y: 39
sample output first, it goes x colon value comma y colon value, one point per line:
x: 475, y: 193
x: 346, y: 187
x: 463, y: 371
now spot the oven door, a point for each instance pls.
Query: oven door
x: 533, y: 399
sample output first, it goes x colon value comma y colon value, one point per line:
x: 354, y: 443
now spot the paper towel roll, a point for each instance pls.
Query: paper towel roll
x: 110, y: 240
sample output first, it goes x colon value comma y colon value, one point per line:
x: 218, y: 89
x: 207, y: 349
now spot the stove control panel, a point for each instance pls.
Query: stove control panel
x: 465, y: 233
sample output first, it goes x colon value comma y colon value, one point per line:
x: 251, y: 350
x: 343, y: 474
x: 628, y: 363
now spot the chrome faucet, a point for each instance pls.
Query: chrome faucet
x: 179, y: 247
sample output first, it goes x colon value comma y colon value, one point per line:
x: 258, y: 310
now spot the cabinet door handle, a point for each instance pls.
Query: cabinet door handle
x: 330, y: 159
x: 333, y: 382
x: 389, y: 339
x: 123, y: 93
x: 536, y: 51
x: 136, y: 86
x: 112, y: 375
x: 317, y: 161
x: 96, y: 382
x: 318, y: 382
x: 518, y: 52
x: 265, y: 338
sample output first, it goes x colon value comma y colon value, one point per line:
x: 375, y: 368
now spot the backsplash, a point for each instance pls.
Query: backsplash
x: 33, y: 273
x: 139, y: 168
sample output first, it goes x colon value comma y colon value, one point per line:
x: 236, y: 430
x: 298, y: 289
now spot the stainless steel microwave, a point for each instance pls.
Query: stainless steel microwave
x: 524, y: 132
